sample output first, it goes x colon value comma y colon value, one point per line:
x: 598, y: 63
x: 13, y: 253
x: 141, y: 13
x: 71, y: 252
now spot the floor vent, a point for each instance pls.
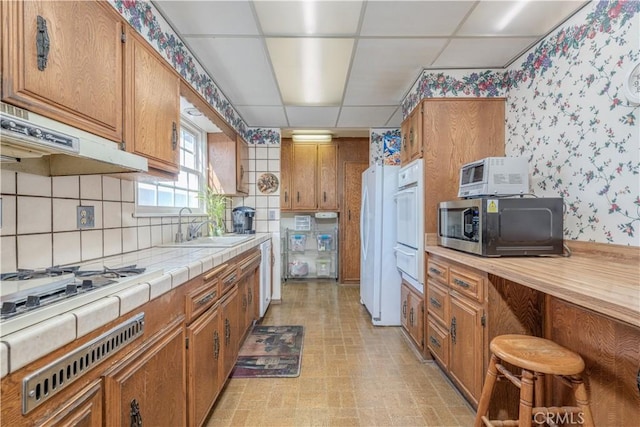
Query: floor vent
x: 46, y: 382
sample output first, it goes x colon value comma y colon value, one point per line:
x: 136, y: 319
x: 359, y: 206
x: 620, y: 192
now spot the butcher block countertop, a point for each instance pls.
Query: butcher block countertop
x: 605, y: 280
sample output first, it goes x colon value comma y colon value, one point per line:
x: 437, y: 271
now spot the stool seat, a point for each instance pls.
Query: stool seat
x: 537, y: 354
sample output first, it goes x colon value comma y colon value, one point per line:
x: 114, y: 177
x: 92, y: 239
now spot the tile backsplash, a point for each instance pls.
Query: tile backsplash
x: 39, y: 220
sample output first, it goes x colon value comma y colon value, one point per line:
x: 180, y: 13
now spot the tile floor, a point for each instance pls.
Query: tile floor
x: 353, y: 374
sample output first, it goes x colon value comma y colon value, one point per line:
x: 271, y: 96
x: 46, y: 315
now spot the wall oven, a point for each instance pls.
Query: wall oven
x: 410, y: 223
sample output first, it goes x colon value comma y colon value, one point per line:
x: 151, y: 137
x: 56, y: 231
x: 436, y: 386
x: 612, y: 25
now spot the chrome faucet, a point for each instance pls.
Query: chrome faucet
x: 179, y: 238
x: 193, y: 229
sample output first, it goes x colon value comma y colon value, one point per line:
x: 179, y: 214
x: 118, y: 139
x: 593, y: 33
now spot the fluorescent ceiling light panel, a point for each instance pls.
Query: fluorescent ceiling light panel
x: 310, y: 71
x: 510, y: 14
x: 307, y: 17
x: 305, y: 138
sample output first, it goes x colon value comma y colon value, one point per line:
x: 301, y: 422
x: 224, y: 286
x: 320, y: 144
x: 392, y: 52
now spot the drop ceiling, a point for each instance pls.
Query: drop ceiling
x: 345, y: 66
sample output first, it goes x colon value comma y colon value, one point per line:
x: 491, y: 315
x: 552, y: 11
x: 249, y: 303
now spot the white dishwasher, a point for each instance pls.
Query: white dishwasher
x: 265, y: 276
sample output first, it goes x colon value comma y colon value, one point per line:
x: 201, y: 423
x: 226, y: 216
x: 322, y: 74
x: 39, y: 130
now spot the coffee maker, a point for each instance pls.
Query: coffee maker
x: 243, y: 220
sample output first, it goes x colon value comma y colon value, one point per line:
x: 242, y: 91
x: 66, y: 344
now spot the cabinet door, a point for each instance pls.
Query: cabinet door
x: 404, y: 309
x: 150, y: 386
x: 286, y: 159
x: 153, y: 107
x: 229, y: 329
x: 221, y: 171
x: 327, y: 177
x: 80, y: 82
x: 303, y: 191
x: 350, y: 240
x: 204, y: 365
x: 84, y: 409
x: 466, y: 346
x: 415, y: 134
x: 404, y: 148
x: 242, y: 166
x: 416, y: 319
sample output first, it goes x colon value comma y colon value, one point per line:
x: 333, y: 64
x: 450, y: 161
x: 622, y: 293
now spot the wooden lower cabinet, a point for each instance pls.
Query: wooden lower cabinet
x: 412, y: 314
x: 466, y: 346
x: 148, y: 387
x: 83, y: 410
x: 204, y: 359
x: 229, y: 308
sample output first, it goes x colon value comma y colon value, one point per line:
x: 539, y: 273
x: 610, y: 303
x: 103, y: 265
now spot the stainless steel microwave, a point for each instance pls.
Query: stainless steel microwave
x: 507, y: 226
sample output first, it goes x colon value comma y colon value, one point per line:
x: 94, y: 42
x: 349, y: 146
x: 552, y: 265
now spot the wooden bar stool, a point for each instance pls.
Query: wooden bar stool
x: 537, y: 357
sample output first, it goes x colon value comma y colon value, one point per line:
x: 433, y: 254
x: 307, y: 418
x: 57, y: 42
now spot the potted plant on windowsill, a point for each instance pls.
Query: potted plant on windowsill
x: 215, y: 205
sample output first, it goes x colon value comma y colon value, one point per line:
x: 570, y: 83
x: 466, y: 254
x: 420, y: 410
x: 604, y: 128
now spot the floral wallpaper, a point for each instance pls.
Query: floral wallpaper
x: 144, y: 17
x: 567, y: 114
x: 384, y: 146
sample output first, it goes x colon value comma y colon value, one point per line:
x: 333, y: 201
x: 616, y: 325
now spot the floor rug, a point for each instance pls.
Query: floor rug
x: 270, y: 352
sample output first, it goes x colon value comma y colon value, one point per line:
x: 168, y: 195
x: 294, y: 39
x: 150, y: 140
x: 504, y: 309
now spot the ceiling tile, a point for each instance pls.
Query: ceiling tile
x: 209, y: 17
x: 323, y: 117
x: 383, y: 69
x: 517, y: 18
x: 413, y: 18
x: 281, y: 18
x: 311, y: 71
x: 365, y: 116
x: 485, y: 53
x: 244, y: 78
x: 261, y: 116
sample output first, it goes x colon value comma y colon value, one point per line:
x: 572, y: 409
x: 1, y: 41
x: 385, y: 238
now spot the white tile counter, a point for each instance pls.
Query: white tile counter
x: 170, y: 268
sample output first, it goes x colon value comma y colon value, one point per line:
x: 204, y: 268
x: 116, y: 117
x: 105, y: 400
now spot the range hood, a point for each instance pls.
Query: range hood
x: 35, y: 144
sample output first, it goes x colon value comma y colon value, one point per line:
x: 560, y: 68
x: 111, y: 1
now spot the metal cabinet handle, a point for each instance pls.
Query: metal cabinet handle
x: 404, y: 309
x: 324, y: 196
x: 298, y: 197
x: 434, y: 302
x: 411, y: 138
x: 286, y: 197
x: 349, y: 214
x: 434, y: 341
x: 216, y: 345
x: 453, y: 330
x: 461, y: 283
x: 435, y: 271
x: 174, y: 136
x: 230, y: 279
x: 411, y: 316
x: 205, y: 299
x: 227, y: 331
x: 42, y: 43
x: 250, y: 296
x: 136, y: 416
x: 244, y: 302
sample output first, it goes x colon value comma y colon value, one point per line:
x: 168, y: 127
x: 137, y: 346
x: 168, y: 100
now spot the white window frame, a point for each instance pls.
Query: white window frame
x: 201, y: 157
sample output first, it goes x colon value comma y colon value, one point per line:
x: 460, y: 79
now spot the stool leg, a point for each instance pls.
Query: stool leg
x: 526, y: 399
x: 538, y: 391
x: 487, y: 390
x: 582, y: 400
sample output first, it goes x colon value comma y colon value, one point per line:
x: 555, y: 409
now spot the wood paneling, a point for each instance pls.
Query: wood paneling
x: 327, y: 177
x: 455, y: 132
x: 611, y: 351
x: 286, y: 158
x: 303, y: 171
x: 350, y: 222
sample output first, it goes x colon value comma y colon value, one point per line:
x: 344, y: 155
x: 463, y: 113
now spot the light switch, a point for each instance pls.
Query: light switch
x: 86, y: 217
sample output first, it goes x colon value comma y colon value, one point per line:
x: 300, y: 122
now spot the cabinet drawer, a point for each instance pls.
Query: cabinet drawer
x: 466, y: 282
x: 204, y: 296
x: 438, y: 341
x: 436, y: 302
x: 438, y: 271
x: 229, y: 280
x: 248, y: 264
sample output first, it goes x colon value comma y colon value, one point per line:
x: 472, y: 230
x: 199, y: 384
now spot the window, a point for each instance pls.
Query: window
x: 171, y: 196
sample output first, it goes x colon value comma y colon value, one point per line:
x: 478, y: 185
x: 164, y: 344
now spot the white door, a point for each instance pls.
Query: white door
x: 407, y: 217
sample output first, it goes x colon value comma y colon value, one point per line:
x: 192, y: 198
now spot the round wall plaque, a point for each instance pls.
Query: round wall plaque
x: 268, y: 183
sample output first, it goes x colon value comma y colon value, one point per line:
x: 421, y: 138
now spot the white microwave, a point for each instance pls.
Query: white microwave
x: 494, y: 176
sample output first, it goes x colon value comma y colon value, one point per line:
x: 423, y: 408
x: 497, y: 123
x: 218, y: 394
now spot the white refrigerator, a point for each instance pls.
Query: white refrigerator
x: 379, y: 277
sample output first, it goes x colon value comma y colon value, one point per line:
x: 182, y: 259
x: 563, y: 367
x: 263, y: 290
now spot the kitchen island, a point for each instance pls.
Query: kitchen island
x: 588, y: 302
x: 159, y: 348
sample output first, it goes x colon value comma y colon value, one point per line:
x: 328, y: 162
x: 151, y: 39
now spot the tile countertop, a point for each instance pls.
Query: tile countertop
x: 172, y: 267
x: 606, y: 285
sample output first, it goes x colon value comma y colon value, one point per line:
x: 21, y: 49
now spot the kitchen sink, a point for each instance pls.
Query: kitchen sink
x: 226, y: 241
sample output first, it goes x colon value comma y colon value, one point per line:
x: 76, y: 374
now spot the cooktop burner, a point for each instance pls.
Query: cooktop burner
x: 65, y: 283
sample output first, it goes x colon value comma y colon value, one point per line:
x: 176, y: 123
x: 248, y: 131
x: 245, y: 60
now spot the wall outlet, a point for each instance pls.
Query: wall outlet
x: 85, y: 217
x: 272, y: 214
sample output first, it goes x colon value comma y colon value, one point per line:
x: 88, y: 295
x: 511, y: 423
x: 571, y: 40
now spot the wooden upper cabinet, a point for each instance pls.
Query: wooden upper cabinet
x: 327, y: 177
x: 303, y: 167
x: 79, y: 78
x: 412, y: 139
x: 228, y: 164
x: 286, y: 155
x: 152, y: 106
x: 309, y: 176
x: 242, y: 166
